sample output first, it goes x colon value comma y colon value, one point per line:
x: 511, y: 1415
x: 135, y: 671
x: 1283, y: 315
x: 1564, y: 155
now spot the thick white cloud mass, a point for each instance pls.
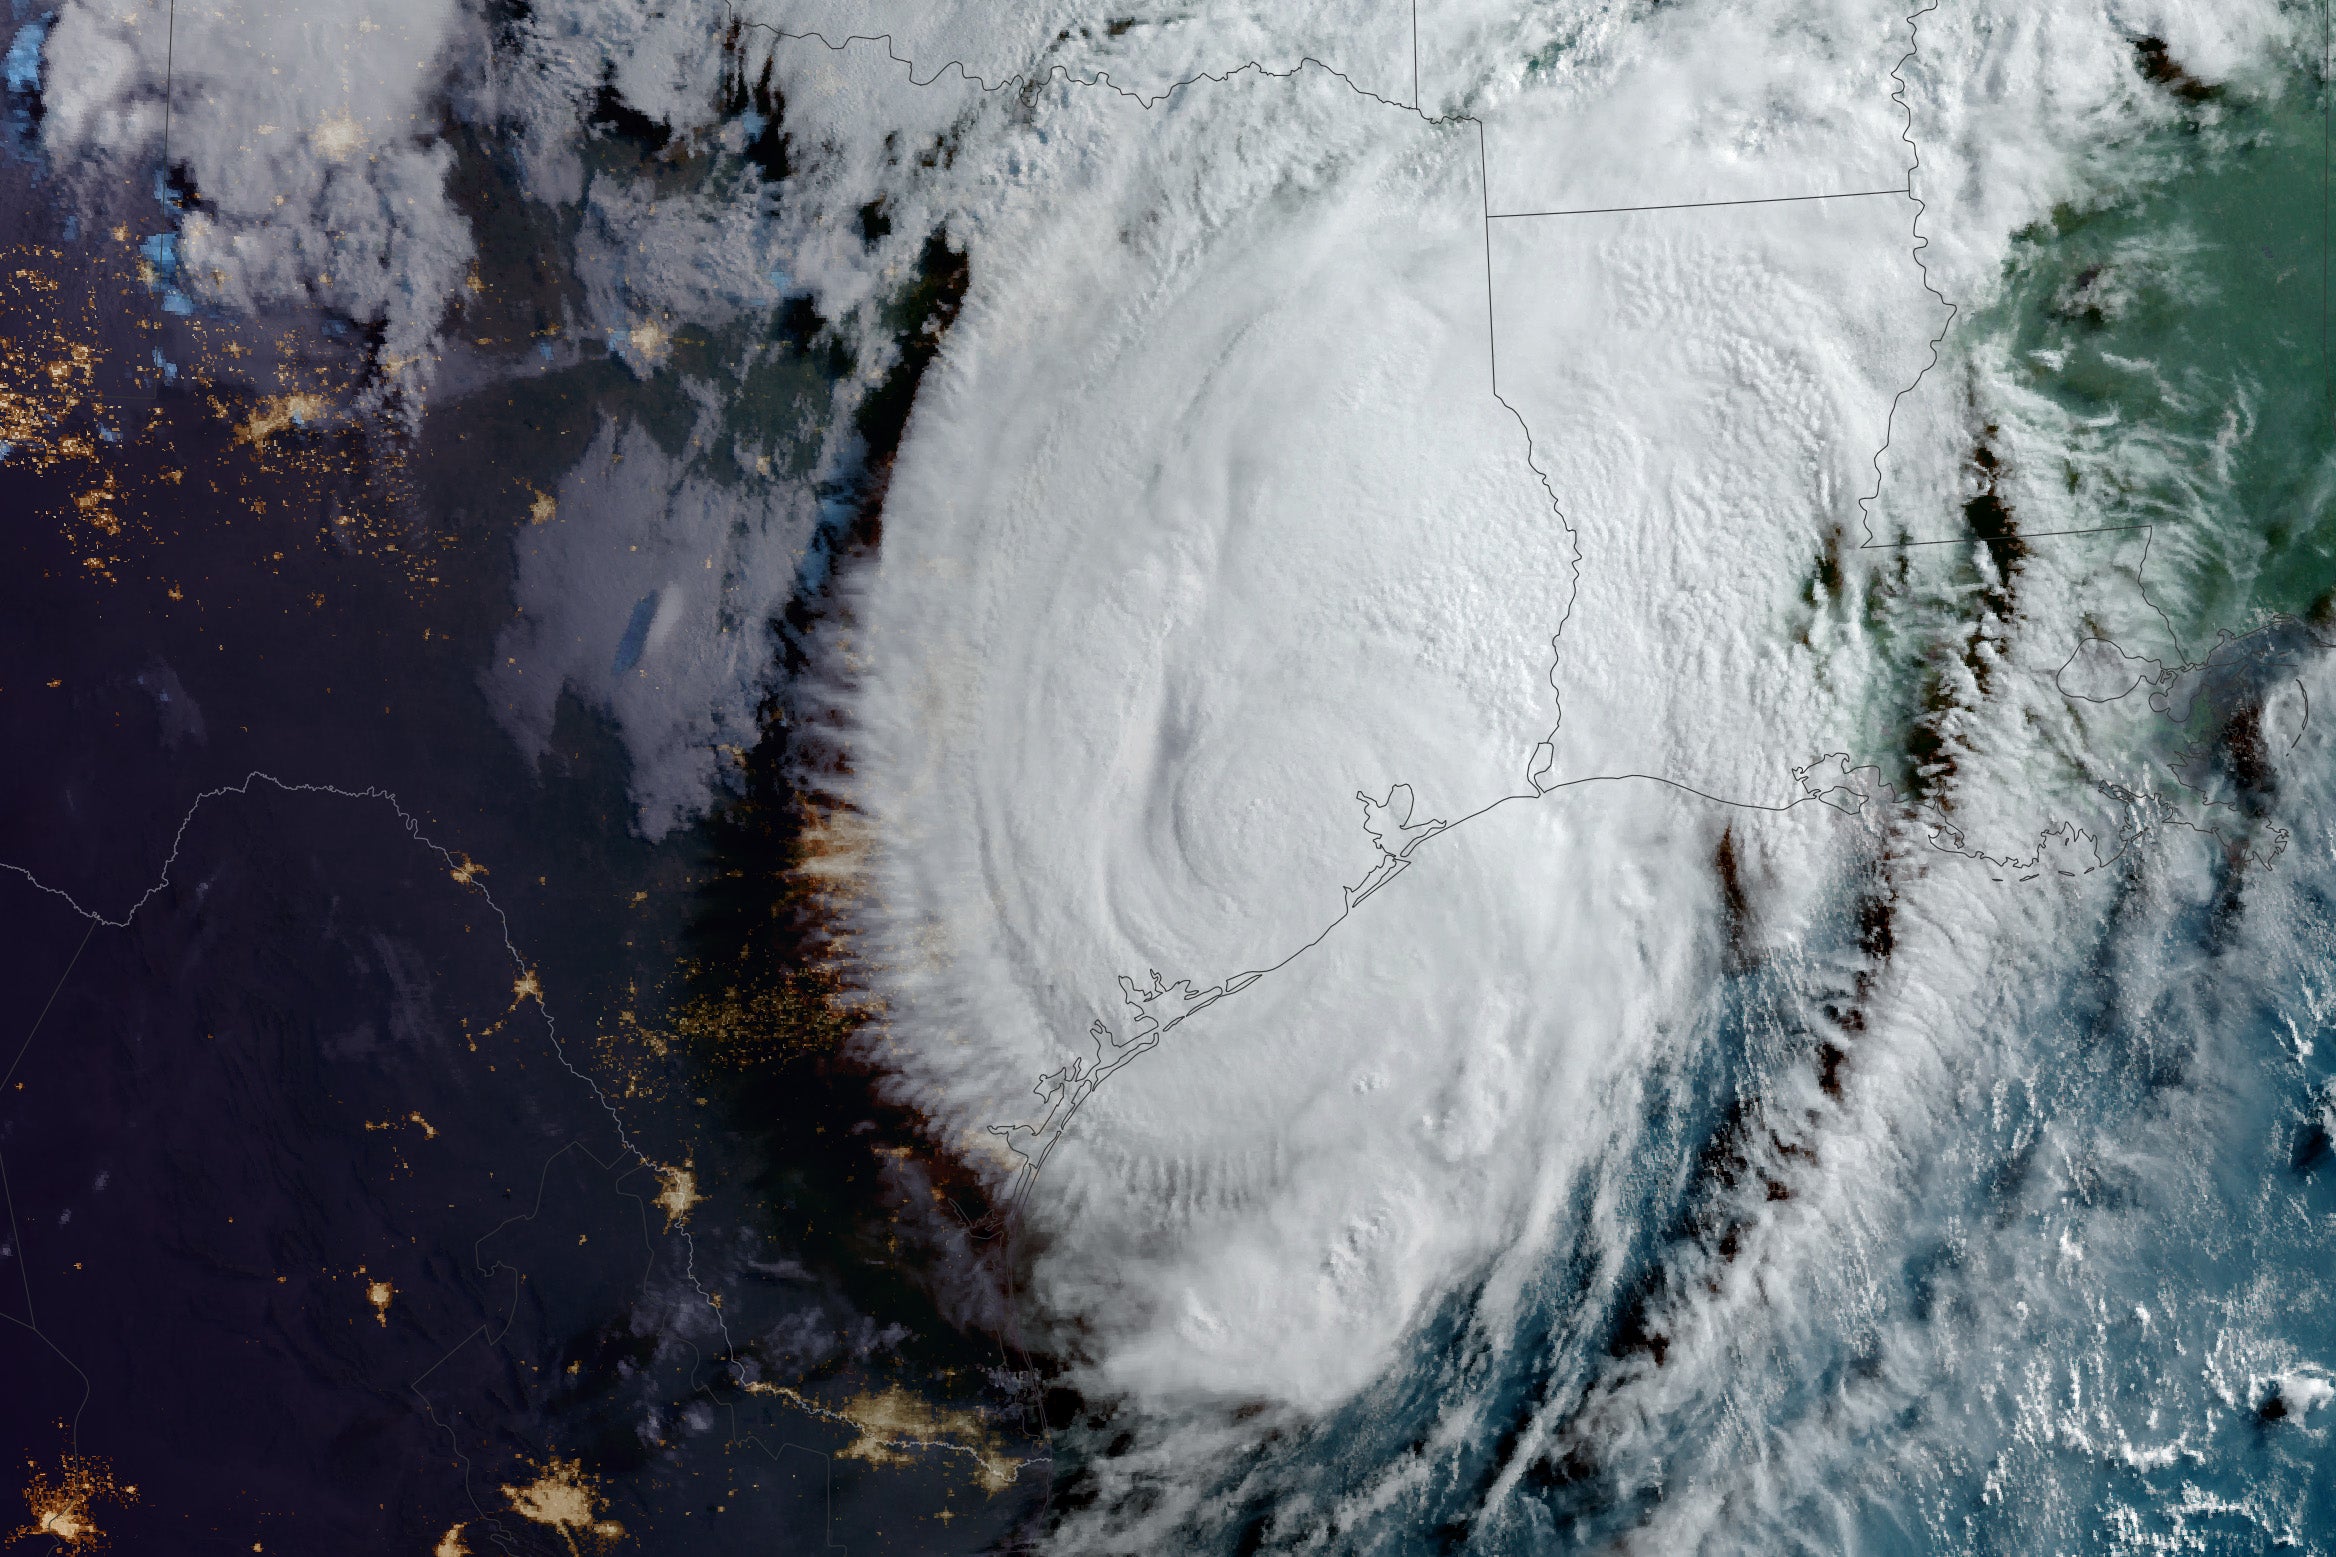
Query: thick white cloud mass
x: 1264, y: 1206
x: 1210, y: 518
x: 312, y: 135
x: 1318, y: 463
x: 645, y: 590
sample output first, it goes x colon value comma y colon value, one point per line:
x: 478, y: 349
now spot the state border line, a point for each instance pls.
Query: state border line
x: 1070, y: 1087
x: 31, y: 1321
x: 169, y: 70
x: 528, y: 989
x: 1698, y: 205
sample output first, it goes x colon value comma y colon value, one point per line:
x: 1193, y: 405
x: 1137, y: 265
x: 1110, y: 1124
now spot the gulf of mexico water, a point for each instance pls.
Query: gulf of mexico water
x: 2179, y: 325
x: 1994, y: 1215
x: 1989, y: 1216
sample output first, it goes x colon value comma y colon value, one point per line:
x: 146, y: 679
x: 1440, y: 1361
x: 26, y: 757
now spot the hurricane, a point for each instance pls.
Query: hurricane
x: 1559, y: 777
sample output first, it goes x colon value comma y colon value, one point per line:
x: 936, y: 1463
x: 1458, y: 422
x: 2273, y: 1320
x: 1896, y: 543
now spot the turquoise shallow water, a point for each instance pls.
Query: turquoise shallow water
x: 2082, y: 1304
x: 2087, y: 1307
x: 2179, y: 324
